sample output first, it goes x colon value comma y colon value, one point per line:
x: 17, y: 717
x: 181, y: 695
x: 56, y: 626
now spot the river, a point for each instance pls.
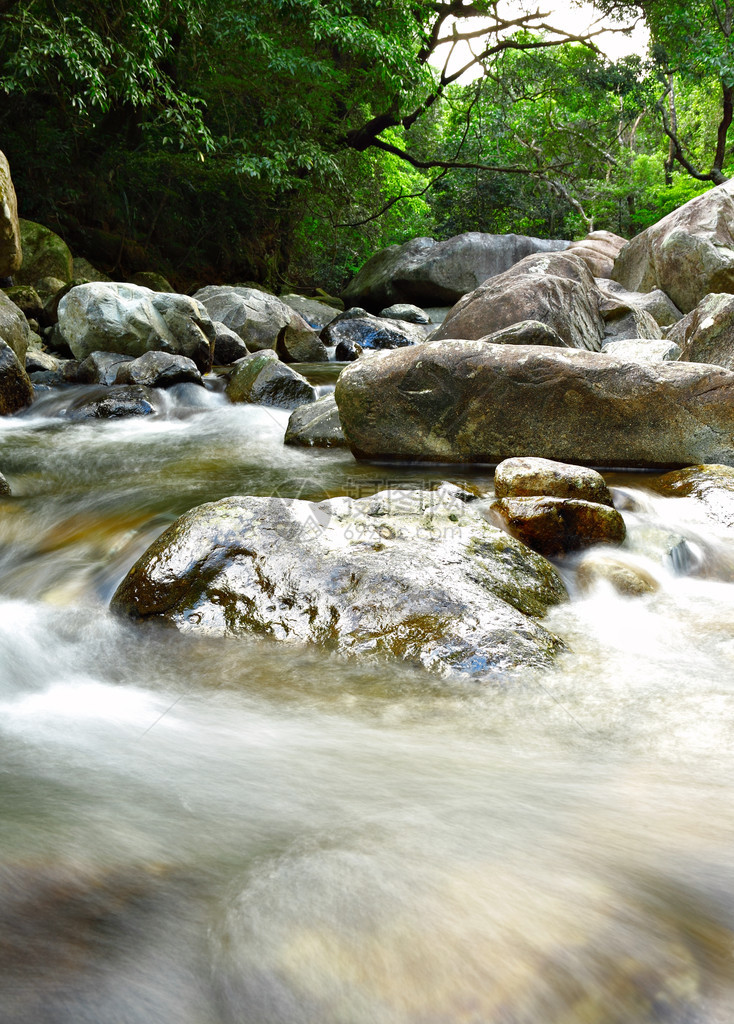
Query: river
x: 201, y: 831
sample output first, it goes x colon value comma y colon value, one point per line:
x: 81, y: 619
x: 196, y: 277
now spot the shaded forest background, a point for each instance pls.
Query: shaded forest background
x: 285, y: 141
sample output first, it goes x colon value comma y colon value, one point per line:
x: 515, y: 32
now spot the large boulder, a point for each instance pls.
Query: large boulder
x: 131, y: 320
x: 616, y: 302
x: 408, y: 574
x: 555, y: 288
x: 14, y: 329
x: 16, y: 390
x: 467, y: 401
x: 316, y: 314
x: 706, y: 334
x: 262, y: 321
x: 262, y: 379
x: 11, y: 249
x: 599, y: 250
x: 44, y: 255
x: 432, y: 273
x: 688, y: 254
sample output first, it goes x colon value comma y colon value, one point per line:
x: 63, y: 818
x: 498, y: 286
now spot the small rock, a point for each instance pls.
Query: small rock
x: 4, y: 487
x: 628, y: 580
x: 262, y: 378
x: 228, y: 346
x: 101, y: 367
x: 27, y: 299
x: 158, y: 370
x: 643, y: 350
x: 316, y: 425
x: 555, y: 526
x: 151, y: 279
x: 405, y: 311
x: 531, y: 477
x: 357, y: 327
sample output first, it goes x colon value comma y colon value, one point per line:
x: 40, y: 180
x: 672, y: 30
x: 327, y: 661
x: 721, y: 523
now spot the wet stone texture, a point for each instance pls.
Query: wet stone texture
x: 415, y: 575
x: 554, y: 526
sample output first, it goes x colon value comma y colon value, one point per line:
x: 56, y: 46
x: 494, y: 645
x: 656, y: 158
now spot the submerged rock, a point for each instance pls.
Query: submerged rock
x: 116, y: 403
x: 554, y: 526
x: 414, y: 575
x: 316, y: 425
x: 627, y: 579
x: 710, y: 485
x: 466, y: 401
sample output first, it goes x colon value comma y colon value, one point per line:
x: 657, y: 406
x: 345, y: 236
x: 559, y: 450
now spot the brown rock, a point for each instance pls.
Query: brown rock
x: 628, y: 580
x: 553, y: 526
x: 688, y: 254
x: 554, y: 288
x: 11, y: 251
x: 599, y: 250
x: 466, y: 401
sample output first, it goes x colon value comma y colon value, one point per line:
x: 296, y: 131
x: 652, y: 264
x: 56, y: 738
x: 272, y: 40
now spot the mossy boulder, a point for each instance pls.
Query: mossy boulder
x: 45, y: 254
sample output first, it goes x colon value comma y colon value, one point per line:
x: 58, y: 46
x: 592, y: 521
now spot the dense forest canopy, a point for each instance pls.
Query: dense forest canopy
x: 284, y: 141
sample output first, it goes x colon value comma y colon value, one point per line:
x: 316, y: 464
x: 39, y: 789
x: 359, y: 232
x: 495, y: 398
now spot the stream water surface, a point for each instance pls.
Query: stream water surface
x: 201, y: 831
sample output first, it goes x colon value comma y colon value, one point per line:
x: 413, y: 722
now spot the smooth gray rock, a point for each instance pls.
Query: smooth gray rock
x: 631, y: 323
x: 259, y: 318
x: 414, y: 575
x: 454, y: 401
x: 316, y: 425
x: 531, y: 477
x: 125, y: 318
x: 688, y: 254
x: 228, y: 346
x: 643, y: 350
x: 261, y: 378
x: 316, y: 314
x: 158, y: 370
x: 706, y: 334
x: 555, y: 288
x: 101, y: 367
x: 430, y: 273
x: 405, y: 311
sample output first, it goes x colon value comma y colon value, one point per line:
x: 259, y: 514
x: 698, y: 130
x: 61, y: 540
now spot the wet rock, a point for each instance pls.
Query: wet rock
x: 11, y: 252
x: 14, y: 329
x: 413, y: 575
x: 525, y: 478
x: 554, y: 526
x: 554, y: 288
x: 263, y: 379
x: 627, y: 579
x: 16, y: 390
x: 44, y: 255
x: 5, y: 490
x: 688, y: 254
x: 706, y: 334
x: 316, y: 425
x: 710, y: 485
x: 153, y: 280
x: 260, y: 319
x: 432, y: 273
x: 466, y: 401
x: 39, y: 362
x: 527, y: 332
x: 125, y: 318
x: 356, y: 329
x: 303, y: 348
x: 639, y: 350
x: 101, y: 367
x: 316, y: 314
x: 617, y: 300
x: 228, y: 346
x: 599, y: 250
x: 158, y: 370
x: 405, y: 311
x: 115, y: 403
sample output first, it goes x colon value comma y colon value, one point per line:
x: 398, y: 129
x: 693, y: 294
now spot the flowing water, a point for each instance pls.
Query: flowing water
x: 200, y: 831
